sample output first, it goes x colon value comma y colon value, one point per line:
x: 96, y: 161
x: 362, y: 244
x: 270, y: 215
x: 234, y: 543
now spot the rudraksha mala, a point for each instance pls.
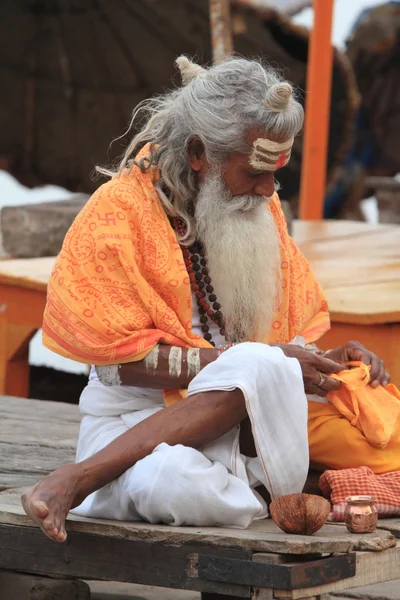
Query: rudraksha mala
x: 200, y: 281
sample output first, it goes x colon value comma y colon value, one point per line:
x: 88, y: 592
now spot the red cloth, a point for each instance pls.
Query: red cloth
x: 385, y: 489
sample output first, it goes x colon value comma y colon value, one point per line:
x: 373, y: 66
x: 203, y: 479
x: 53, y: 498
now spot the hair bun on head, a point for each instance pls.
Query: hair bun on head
x: 278, y: 97
x: 188, y: 69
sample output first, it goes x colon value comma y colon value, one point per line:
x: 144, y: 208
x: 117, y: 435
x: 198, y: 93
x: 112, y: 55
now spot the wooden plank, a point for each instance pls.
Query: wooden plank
x: 375, y: 265
x: 14, y: 356
x: 310, y: 231
x: 268, y: 558
x: 23, y: 464
x: 15, y: 300
x: 18, y: 458
x: 89, y: 556
x: 12, y: 481
x: 37, y: 410
x: 31, y: 273
x: 210, y: 596
x: 292, y: 576
x: 36, y: 437
x: 364, y: 289
x: 370, y: 568
x: 261, y: 536
x: 51, y: 434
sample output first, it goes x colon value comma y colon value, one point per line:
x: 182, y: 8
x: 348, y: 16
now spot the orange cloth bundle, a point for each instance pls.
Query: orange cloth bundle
x: 374, y: 411
x: 120, y: 285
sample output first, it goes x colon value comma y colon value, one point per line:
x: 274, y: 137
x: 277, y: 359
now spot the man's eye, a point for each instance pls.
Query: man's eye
x: 255, y: 173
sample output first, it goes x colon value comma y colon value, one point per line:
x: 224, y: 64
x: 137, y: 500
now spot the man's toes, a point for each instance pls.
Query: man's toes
x: 35, y: 509
x: 54, y: 527
x: 39, y: 508
x: 49, y: 523
x: 61, y: 536
x: 47, y: 533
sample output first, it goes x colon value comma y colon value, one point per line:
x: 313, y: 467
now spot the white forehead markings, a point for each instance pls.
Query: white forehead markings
x: 275, y: 147
x: 267, y: 155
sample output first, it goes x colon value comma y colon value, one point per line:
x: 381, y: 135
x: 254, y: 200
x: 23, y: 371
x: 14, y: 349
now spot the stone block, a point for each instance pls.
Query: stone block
x: 34, y: 230
x: 20, y: 586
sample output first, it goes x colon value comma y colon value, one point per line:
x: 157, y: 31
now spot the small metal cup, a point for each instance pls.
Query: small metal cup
x: 361, y: 514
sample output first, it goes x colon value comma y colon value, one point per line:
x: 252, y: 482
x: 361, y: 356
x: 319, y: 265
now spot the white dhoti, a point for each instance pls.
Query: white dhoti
x: 215, y: 486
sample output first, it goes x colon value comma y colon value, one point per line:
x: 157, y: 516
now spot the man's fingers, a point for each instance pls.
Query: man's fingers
x: 328, y: 366
x: 375, y: 370
x: 313, y: 389
x: 330, y: 384
x: 321, y: 385
x: 386, y: 380
x: 378, y: 373
x: 382, y: 373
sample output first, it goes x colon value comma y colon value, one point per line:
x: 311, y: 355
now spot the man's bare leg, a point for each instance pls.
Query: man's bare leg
x: 194, y: 422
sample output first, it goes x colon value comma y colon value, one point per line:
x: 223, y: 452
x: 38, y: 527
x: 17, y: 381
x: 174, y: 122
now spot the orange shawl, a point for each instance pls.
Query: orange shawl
x: 120, y: 285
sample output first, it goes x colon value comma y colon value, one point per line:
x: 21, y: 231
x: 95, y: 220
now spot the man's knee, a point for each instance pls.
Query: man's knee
x: 170, y: 473
x: 178, y: 485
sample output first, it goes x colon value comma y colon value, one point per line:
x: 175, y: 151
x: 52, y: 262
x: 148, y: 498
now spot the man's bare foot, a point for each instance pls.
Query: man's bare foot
x: 48, y: 502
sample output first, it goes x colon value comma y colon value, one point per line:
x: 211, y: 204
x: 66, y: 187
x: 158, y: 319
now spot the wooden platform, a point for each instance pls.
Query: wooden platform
x: 262, y: 561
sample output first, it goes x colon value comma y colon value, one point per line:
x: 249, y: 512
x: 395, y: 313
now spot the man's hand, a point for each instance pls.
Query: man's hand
x: 315, y: 369
x: 355, y: 351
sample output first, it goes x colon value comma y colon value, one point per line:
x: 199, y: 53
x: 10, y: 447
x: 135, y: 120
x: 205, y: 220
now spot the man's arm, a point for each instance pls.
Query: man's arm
x: 170, y: 367
x: 164, y: 368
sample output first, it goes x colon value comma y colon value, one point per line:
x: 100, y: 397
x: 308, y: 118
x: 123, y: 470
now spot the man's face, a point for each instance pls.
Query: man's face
x: 251, y: 174
x: 254, y: 174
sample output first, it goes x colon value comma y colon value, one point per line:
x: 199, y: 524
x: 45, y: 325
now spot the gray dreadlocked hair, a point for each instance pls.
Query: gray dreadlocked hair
x: 217, y: 106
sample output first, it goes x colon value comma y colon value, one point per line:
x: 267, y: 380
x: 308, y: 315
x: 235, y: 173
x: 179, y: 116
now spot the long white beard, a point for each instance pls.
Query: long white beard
x: 243, y: 255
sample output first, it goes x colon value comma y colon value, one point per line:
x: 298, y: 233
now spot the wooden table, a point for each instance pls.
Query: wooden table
x: 357, y: 264
x: 23, y: 285
x: 260, y: 562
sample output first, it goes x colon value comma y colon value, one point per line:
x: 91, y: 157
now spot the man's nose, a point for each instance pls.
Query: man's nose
x: 265, y: 187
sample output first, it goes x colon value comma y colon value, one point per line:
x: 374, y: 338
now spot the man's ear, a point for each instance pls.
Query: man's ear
x: 196, y: 154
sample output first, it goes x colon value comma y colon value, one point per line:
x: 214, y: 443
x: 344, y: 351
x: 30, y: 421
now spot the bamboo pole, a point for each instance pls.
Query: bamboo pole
x: 221, y: 30
x: 318, y: 100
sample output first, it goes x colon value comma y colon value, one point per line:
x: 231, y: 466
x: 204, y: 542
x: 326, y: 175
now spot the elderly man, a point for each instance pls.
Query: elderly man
x: 179, y: 282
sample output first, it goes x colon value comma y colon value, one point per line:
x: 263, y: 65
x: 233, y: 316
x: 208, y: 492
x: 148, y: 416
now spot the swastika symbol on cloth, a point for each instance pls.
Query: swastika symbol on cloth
x: 107, y: 219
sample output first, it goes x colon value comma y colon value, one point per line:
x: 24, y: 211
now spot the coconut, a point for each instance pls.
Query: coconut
x: 302, y: 514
